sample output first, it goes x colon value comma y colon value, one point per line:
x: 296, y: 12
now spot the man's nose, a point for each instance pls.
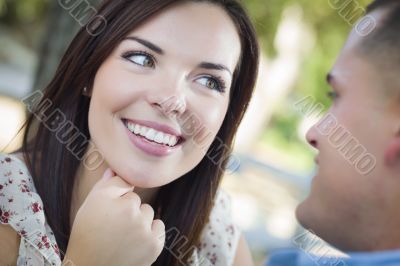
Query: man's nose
x: 311, y: 136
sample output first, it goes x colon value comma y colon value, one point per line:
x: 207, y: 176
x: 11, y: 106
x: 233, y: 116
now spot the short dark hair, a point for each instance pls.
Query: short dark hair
x: 382, y: 45
x: 381, y: 4
x: 388, y: 29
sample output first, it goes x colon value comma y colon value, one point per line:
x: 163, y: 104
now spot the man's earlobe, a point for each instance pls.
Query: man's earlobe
x: 392, y: 153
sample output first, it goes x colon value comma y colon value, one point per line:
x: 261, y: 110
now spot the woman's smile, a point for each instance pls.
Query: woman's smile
x: 153, y: 138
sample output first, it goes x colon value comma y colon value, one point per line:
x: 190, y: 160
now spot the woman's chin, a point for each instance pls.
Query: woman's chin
x: 141, y: 180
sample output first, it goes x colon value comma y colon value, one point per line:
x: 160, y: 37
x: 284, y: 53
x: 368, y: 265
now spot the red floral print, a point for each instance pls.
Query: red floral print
x: 22, y: 208
x: 36, y: 207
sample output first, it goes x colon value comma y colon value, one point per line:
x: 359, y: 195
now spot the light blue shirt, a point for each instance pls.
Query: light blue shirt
x: 300, y: 258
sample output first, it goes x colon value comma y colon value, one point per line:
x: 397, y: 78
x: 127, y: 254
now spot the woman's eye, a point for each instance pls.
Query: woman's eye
x: 141, y: 59
x: 212, y: 83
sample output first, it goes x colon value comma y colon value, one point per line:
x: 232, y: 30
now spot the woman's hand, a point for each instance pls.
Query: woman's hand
x: 112, y: 227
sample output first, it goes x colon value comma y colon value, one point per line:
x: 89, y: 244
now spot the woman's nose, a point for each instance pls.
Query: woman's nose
x: 170, y: 98
x: 172, y: 105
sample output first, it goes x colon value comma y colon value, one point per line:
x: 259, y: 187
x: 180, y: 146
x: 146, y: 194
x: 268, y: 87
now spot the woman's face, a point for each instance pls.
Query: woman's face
x: 177, y: 65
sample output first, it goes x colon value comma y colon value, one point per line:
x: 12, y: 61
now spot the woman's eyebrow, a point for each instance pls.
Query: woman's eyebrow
x: 155, y: 48
x: 208, y: 65
x: 148, y: 44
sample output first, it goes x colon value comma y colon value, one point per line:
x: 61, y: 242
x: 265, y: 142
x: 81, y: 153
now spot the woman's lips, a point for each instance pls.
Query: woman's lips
x: 150, y: 147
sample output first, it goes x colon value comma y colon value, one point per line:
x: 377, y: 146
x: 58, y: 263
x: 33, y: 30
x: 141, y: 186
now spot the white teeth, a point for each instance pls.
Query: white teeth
x: 166, y: 139
x: 136, y: 129
x: 173, y: 140
x: 143, y: 131
x: 130, y: 126
x: 152, y: 134
x: 159, y: 137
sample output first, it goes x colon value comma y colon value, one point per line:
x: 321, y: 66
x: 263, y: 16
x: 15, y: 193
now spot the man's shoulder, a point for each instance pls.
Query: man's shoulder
x: 295, y: 257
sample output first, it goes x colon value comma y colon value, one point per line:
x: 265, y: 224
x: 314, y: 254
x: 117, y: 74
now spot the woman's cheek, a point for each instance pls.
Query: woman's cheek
x: 211, y: 121
x: 215, y: 116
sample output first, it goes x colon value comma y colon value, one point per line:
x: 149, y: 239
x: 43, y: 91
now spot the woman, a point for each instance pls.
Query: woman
x: 160, y: 92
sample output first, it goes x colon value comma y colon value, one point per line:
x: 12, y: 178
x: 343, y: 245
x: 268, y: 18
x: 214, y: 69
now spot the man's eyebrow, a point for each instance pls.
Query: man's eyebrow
x: 148, y: 44
x: 329, y: 78
x: 208, y: 65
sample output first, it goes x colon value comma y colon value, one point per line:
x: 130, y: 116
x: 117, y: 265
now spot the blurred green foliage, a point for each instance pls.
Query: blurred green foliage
x: 15, y: 12
x: 25, y: 20
x: 328, y: 25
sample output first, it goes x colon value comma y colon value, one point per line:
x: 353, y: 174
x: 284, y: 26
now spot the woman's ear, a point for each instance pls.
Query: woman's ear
x: 392, y: 153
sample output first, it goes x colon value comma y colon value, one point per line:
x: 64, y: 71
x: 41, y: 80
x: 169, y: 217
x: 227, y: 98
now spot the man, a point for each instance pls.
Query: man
x: 355, y: 210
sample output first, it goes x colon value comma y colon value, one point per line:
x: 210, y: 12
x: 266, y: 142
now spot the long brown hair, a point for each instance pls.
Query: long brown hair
x: 186, y: 203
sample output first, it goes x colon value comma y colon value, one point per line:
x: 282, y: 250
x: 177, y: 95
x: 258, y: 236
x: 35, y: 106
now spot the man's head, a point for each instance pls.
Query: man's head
x: 355, y: 196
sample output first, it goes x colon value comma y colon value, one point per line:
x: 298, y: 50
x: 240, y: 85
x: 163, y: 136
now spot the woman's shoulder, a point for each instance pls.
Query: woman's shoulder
x: 10, y: 162
x: 15, y: 182
x: 220, y: 236
x: 14, y: 177
x: 22, y: 209
x: 12, y: 157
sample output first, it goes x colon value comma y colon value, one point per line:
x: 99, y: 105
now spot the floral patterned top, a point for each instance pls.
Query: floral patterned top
x: 22, y: 209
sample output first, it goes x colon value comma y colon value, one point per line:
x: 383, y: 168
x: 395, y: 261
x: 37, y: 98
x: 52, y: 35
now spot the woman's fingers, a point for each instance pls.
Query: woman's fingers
x: 113, y: 185
x: 158, y: 229
x: 133, y: 198
x: 148, y: 213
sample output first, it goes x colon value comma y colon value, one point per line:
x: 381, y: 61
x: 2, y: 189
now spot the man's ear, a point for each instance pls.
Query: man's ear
x: 392, y: 153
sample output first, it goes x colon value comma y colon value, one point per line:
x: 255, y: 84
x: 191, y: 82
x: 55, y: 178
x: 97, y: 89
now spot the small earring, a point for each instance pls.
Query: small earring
x: 85, y: 89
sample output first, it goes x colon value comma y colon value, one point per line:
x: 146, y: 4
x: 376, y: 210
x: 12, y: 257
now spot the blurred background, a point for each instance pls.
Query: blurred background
x: 300, y: 40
